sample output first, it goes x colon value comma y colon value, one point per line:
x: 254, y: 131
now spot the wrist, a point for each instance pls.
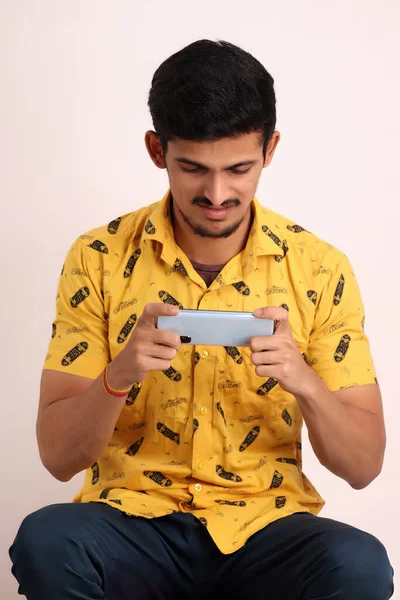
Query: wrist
x: 312, y: 387
x: 118, y: 377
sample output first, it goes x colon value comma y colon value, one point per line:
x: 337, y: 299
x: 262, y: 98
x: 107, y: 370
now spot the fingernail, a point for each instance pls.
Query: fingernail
x: 258, y: 312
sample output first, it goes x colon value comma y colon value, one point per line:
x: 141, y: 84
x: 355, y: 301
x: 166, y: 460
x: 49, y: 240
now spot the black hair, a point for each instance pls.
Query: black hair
x: 211, y: 90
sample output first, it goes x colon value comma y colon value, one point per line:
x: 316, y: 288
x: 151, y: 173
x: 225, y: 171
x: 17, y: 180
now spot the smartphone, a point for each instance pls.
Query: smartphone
x: 216, y: 327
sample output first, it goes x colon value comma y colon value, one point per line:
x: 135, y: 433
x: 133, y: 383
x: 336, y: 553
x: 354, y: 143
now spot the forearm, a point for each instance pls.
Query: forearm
x: 343, y: 437
x: 72, y: 432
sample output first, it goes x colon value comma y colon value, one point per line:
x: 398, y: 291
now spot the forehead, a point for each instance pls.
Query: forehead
x: 219, y: 152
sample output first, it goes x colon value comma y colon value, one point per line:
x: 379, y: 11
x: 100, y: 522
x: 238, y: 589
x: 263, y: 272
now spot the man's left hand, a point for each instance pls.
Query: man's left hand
x: 278, y: 356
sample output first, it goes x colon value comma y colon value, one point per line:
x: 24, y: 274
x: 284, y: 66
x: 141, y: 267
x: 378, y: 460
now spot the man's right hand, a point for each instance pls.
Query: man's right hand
x: 148, y: 348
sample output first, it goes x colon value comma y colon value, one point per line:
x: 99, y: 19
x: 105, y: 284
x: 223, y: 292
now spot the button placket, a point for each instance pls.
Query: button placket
x: 202, y: 440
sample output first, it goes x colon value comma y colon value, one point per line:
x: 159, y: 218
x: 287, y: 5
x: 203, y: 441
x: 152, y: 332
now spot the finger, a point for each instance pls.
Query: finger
x: 163, y: 352
x: 272, y: 357
x: 157, y: 309
x: 268, y: 371
x: 276, y: 313
x: 167, y: 338
x: 263, y: 342
x: 158, y: 364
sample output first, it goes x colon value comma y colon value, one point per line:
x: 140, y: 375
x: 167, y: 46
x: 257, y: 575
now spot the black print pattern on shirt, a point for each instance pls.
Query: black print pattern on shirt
x: 74, y: 353
x: 105, y: 493
x: 158, y: 478
x: 295, y: 228
x: 281, y: 243
x: 95, y: 473
x: 133, y: 394
x: 234, y: 353
x: 272, y: 236
x: 195, y: 425
x: 80, y: 296
x: 221, y: 411
x: 99, y: 246
x: 130, y: 265
x: 267, y: 386
x: 276, y: 480
x: 342, y: 348
x: 339, y: 290
x: 231, y: 502
x: 242, y: 288
x: 113, y: 226
x: 149, y: 228
x: 168, y: 433
x: 250, y: 438
x: 178, y: 266
x: 313, y: 296
x: 289, y: 461
x: 168, y: 299
x: 116, y: 501
x: 285, y: 249
x: 196, y: 358
x: 203, y: 521
x: 227, y: 475
x: 123, y: 334
x: 134, y: 448
x: 280, y: 501
x: 173, y: 374
x: 53, y: 330
x: 286, y: 417
x: 285, y: 306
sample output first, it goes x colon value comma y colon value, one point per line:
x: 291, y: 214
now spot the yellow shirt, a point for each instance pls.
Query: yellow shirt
x: 208, y: 436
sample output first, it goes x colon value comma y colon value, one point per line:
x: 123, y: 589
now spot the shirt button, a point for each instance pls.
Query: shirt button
x: 198, y: 487
x: 201, y: 465
x: 204, y: 354
x: 203, y: 410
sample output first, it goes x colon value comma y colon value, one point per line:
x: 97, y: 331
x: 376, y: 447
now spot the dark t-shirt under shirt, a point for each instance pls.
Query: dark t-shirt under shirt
x: 207, y: 272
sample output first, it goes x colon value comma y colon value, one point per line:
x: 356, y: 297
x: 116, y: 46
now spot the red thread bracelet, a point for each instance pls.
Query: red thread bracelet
x: 109, y: 390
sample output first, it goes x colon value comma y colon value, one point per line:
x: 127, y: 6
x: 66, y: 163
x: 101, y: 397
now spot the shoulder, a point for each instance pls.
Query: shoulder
x: 116, y: 235
x: 304, y: 246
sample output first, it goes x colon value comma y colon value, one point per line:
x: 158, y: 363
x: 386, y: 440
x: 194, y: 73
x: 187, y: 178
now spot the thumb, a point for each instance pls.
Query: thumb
x: 157, y: 309
x: 277, y: 314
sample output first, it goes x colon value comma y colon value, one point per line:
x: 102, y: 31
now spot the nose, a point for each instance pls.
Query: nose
x: 215, y: 189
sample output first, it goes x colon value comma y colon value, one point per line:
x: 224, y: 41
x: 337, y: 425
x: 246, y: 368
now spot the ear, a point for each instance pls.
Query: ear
x: 272, y: 145
x: 153, y: 145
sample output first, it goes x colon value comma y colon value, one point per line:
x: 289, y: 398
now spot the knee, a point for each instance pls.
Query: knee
x: 42, y: 534
x: 364, y: 569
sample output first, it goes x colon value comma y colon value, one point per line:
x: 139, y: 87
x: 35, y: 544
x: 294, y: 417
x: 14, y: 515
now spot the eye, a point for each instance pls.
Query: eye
x: 196, y: 170
x: 236, y: 172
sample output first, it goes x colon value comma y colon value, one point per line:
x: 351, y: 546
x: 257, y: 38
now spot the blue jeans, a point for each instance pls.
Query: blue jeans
x: 93, y: 551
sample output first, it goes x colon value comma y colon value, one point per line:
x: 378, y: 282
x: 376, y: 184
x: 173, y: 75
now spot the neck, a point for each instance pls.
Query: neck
x: 208, y: 250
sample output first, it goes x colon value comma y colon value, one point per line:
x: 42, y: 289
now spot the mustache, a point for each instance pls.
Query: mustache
x: 207, y: 203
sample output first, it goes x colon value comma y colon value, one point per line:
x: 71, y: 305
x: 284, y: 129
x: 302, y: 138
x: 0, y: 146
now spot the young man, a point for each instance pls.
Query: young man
x: 194, y: 483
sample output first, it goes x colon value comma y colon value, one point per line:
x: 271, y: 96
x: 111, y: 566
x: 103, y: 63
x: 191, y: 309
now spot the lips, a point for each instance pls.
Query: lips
x: 216, y: 214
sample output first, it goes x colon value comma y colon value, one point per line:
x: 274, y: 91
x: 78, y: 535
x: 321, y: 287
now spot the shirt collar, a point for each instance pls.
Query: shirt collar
x: 262, y: 240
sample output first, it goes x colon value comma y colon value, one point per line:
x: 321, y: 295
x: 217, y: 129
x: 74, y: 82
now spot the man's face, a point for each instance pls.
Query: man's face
x: 213, y: 183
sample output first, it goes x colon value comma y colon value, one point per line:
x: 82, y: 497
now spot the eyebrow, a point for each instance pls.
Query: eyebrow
x: 243, y: 163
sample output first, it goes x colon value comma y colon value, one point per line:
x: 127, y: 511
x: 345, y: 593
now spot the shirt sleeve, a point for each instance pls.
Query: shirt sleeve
x: 339, y: 349
x: 79, y: 340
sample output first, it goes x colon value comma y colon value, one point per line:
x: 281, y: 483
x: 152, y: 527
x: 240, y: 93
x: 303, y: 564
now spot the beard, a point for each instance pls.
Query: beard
x: 203, y: 231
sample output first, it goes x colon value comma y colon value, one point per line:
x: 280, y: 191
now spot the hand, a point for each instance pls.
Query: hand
x: 148, y: 348
x: 278, y: 356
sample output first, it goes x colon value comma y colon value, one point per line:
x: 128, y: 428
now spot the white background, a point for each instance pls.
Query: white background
x: 75, y: 75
